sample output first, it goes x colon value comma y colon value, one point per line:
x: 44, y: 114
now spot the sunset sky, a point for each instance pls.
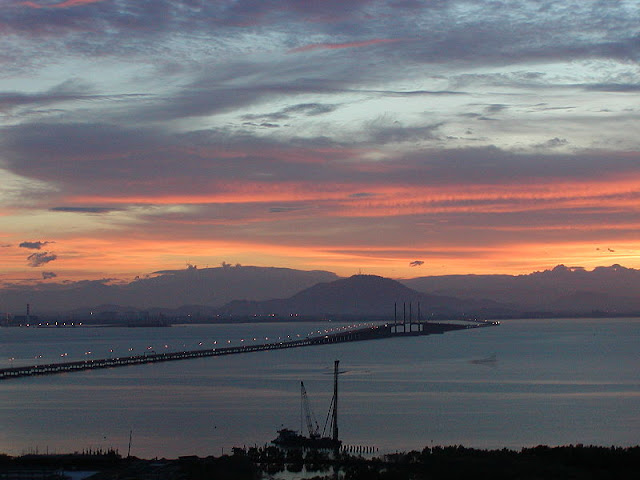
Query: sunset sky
x: 400, y: 138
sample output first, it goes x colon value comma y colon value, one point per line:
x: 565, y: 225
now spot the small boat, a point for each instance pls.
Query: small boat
x: 288, y: 438
x: 490, y: 360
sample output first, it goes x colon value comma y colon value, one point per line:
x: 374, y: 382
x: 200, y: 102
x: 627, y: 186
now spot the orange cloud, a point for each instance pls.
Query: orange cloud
x: 125, y: 253
x: 130, y: 254
x: 380, y: 200
x: 334, y: 46
x: 454, y: 228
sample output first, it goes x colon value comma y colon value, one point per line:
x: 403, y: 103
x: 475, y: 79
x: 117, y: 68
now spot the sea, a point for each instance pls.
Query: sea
x: 523, y: 383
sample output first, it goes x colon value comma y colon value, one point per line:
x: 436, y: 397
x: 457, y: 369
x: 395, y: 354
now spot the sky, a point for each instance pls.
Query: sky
x: 400, y: 138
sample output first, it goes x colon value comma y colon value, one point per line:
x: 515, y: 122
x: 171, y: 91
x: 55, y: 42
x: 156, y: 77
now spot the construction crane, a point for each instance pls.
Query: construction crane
x: 312, y: 423
x: 288, y: 438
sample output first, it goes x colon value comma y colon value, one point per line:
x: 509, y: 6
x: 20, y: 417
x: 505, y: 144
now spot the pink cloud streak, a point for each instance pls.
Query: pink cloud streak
x: 65, y: 4
x: 334, y: 46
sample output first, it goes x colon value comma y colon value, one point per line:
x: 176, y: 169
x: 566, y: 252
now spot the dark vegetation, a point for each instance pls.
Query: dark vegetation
x: 454, y: 462
x: 541, y: 462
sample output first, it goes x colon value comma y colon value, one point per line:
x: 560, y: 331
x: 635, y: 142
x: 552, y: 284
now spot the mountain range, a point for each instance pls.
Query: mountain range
x: 168, y: 289
x: 564, y: 290
x: 245, y: 290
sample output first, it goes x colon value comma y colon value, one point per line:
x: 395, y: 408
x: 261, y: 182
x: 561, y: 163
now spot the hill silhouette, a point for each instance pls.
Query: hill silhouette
x: 359, y: 295
x: 564, y: 290
x: 212, y: 287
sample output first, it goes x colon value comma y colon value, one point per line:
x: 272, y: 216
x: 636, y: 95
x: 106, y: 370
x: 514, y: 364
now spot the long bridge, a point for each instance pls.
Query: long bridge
x: 367, y: 333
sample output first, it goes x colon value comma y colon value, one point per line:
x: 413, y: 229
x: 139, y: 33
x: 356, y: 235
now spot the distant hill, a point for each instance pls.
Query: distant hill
x: 241, y: 290
x: 212, y: 287
x: 565, y: 290
x: 361, y: 295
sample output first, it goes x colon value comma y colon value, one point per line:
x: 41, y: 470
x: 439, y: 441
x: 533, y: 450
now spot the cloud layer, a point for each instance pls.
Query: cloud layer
x: 480, y: 136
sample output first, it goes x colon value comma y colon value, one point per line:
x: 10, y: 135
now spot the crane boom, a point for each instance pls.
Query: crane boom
x: 308, y: 414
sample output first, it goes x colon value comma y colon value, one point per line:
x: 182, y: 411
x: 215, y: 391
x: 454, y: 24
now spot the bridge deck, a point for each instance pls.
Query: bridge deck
x: 368, y: 333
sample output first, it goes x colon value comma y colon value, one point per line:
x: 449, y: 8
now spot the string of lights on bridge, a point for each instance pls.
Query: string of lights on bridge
x: 166, y: 347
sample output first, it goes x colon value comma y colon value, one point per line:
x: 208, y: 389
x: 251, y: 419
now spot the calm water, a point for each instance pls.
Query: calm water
x: 552, y: 382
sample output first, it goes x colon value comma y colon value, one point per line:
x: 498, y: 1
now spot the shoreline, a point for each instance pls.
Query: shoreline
x: 542, y: 461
